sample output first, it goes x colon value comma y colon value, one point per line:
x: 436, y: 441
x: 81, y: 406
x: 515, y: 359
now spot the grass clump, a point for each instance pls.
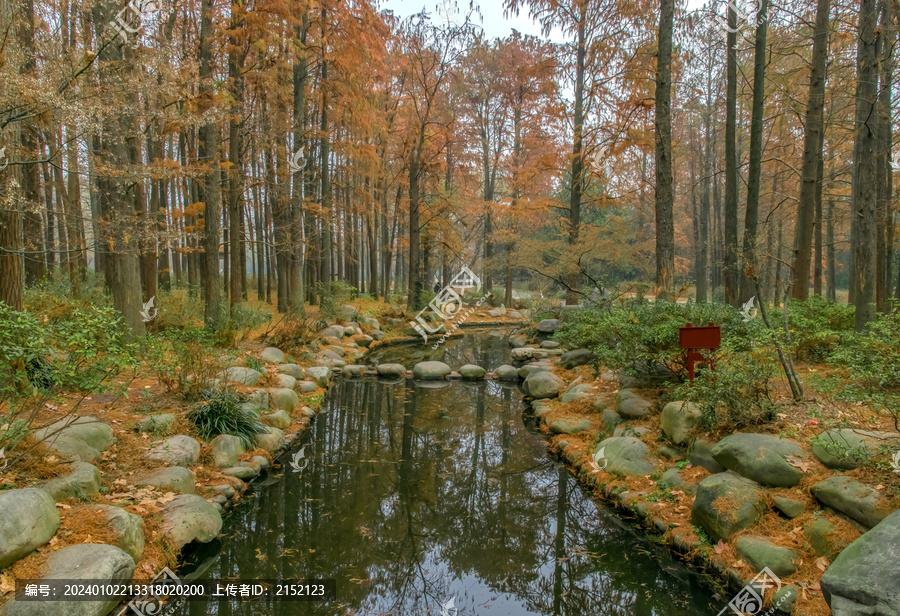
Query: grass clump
x: 222, y: 412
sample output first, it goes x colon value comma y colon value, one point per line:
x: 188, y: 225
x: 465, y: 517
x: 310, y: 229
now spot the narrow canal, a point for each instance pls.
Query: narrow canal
x: 417, y: 494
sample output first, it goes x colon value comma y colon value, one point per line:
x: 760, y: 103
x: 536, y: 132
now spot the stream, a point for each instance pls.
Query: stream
x: 419, y: 493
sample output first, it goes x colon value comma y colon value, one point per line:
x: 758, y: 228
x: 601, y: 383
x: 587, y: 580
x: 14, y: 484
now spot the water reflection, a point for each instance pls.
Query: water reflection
x: 415, y: 495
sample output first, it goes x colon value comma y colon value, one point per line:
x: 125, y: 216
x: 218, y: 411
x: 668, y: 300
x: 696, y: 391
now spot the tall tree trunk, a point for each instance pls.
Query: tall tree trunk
x: 817, y: 237
x: 665, y: 225
x: 730, y: 266
x: 573, y: 282
x: 208, y: 156
x: 864, y: 205
x: 325, y: 199
x: 830, y: 263
x: 35, y: 266
x: 751, y: 218
x: 236, y: 56
x: 885, y: 190
x: 812, y: 153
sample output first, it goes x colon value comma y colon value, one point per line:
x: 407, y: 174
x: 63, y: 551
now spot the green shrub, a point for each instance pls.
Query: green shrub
x: 183, y: 360
x: 222, y: 413
x: 817, y: 325
x: 873, y: 356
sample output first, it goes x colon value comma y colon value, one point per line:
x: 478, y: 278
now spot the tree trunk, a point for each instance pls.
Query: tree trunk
x: 208, y: 157
x: 665, y: 225
x: 885, y: 189
x: 829, y: 252
x: 730, y: 266
x: 573, y: 282
x: 236, y: 56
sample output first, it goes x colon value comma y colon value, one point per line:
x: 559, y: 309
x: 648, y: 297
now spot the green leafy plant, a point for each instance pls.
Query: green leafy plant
x: 221, y: 412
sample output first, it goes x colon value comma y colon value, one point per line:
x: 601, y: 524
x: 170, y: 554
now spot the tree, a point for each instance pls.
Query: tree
x: 665, y: 229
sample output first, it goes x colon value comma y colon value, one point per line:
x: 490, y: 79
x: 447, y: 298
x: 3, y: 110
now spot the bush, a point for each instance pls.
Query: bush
x: 333, y: 296
x: 294, y: 332
x: 222, y: 413
x: 873, y: 356
x: 817, y: 325
x: 183, y: 360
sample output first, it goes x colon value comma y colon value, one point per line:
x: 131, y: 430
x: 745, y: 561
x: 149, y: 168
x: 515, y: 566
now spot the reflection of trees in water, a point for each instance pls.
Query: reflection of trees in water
x: 410, y: 490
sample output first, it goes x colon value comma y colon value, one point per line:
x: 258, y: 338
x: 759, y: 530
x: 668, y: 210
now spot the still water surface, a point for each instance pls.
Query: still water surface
x: 415, y: 495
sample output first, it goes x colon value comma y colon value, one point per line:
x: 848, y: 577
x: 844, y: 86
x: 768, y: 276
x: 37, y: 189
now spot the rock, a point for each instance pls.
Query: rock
x: 292, y: 370
x: 83, y: 481
x: 128, y: 527
x: 846, y: 448
x: 670, y: 453
x: 726, y: 503
x: 348, y: 312
x: 521, y: 354
x: 390, y: 370
x: 332, y: 352
x: 331, y: 363
x: 507, y: 373
x: 515, y: 314
x: 543, y: 385
x: 626, y: 455
x: 286, y: 399
x: 363, y: 340
x: 525, y: 371
x: 190, y: 518
x: 270, y: 440
x: 28, y: 519
x: 700, y: 454
x: 570, y: 426
x: 278, y: 419
x: 156, y: 424
x: 306, y: 387
x: 354, y: 371
x: 611, y: 419
x: 673, y: 478
x: 823, y: 538
x: 576, y: 357
x: 177, y: 450
x: 225, y: 450
x: 272, y: 355
x: 852, y: 498
x: 320, y: 374
x: 241, y: 472
x: 496, y: 312
x: 176, y: 478
x: 371, y: 323
x: 626, y: 430
x: 377, y: 334
x: 328, y: 341
x: 285, y: 381
x: 784, y: 599
x: 540, y: 407
x: 575, y: 393
x: 333, y: 331
x: 862, y: 580
x: 82, y: 438
x: 759, y: 552
x: 516, y: 342
x: 471, y: 372
x: 258, y: 401
x: 760, y: 457
x: 225, y: 490
x: 632, y: 406
x: 550, y: 344
x: 431, y: 370
x: 548, y: 326
x: 244, y: 376
x: 678, y: 420
x: 86, y: 561
x: 789, y: 507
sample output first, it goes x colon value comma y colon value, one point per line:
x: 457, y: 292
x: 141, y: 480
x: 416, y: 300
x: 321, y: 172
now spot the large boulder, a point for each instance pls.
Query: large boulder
x: 285, y: 381
x: 576, y: 357
x: 548, y: 326
x: 625, y: 455
x: 83, y: 481
x: 157, y: 424
x: 824, y: 537
x: 179, y: 450
x: 759, y: 552
x: 370, y: 323
x: 431, y: 370
x: 522, y: 353
x: 390, y: 369
x: 86, y: 561
x: 128, y: 528
x: 270, y: 440
x: 82, y: 438
x: 189, y: 518
x: 226, y: 449
x: 348, y: 312
x: 242, y: 375
x: 272, y: 355
x: 632, y: 406
x: 333, y: 331
x: 570, y: 426
x: 306, y: 387
x: 175, y: 478
x: 576, y: 393
x: 28, y: 519
x: 678, y: 420
x: 278, y: 419
x: 543, y: 385
x: 516, y: 342
x: 700, y: 454
x: 320, y: 374
x: 525, y: 371
x: 283, y: 398
x: 726, y: 503
x: 471, y: 372
x: 507, y: 373
x: 292, y: 370
x: 354, y: 370
x: 862, y: 580
x: 761, y: 457
x: 846, y: 448
x: 854, y: 499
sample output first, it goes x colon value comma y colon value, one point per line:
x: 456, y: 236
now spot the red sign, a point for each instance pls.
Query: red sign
x: 695, y: 340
